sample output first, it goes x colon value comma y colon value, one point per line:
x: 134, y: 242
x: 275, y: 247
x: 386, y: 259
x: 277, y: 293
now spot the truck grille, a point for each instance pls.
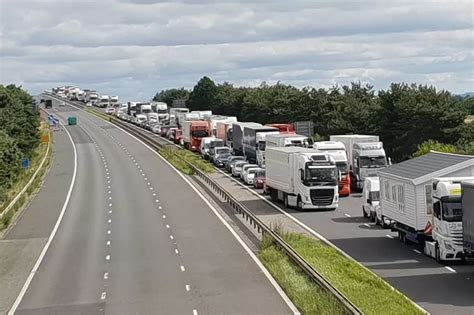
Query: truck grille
x: 322, y: 197
x: 457, y: 237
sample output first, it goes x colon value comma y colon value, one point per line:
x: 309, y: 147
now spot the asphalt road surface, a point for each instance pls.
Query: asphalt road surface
x: 136, y: 239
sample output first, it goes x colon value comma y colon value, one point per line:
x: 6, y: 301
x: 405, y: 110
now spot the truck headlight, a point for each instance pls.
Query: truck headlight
x: 448, y: 246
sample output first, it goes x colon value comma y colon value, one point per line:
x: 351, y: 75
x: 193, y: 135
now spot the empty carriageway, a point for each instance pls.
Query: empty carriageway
x: 136, y: 238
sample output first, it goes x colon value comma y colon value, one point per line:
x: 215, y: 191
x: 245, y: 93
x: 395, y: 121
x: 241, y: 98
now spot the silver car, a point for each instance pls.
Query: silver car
x: 238, y: 168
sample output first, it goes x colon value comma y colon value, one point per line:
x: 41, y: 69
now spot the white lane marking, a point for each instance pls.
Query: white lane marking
x: 347, y: 215
x: 108, y: 182
x: 167, y: 226
x: 110, y: 204
x: 145, y: 178
x: 110, y: 220
x: 110, y: 211
x: 109, y: 191
x: 151, y: 188
x: 53, y: 232
x: 109, y: 187
x: 154, y: 194
x: 232, y: 231
x: 417, y: 251
x: 195, y: 312
x: 148, y: 184
x: 160, y: 207
x: 106, y: 276
x: 157, y: 200
x: 389, y: 236
x: 103, y: 295
x: 367, y: 225
x: 108, y: 243
x: 188, y: 287
x: 107, y: 257
x: 171, y: 237
x: 110, y: 198
x: 450, y: 269
x: 164, y: 216
x: 108, y: 178
x: 182, y: 268
x: 109, y: 232
x: 143, y: 174
x: 176, y: 251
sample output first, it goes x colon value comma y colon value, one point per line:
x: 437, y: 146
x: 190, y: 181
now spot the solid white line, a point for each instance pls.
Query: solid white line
x: 226, y: 224
x: 450, y: 269
x: 53, y: 232
x: 188, y: 287
x: 367, y: 225
x: 389, y: 236
x: 417, y: 251
x: 182, y: 268
x: 347, y: 215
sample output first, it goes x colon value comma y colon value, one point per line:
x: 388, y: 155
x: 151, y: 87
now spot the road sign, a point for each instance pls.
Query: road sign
x: 25, y: 163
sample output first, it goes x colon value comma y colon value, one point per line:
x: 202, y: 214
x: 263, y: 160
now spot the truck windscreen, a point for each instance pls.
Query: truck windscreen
x: 162, y: 111
x: 342, y: 167
x: 320, y: 175
x: 199, y: 133
x: 452, y: 212
x: 372, y: 162
x: 261, y: 145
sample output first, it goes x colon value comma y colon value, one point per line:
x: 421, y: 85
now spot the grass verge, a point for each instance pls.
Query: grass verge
x: 307, y: 296
x: 25, y: 176
x: 370, y: 293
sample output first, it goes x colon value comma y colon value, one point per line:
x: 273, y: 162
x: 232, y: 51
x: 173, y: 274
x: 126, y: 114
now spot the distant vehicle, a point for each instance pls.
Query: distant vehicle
x: 91, y: 96
x: 103, y: 101
x: 231, y: 161
x: 174, y: 115
x: 193, y: 132
x: 245, y: 170
x: 254, y: 142
x: 88, y: 104
x: 110, y: 110
x: 283, y: 128
x: 224, y: 131
x: 204, y: 147
x: 156, y: 129
x: 48, y: 104
x: 365, y: 155
x: 221, y: 154
x: 113, y: 99
x: 249, y: 175
x: 62, y: 104
x: 237, y: 137
x: 302, y: 178
x: 237, y: 169
x: 288, y: 140
x: 259, y: 180
x: 161, y: 110
x: 140, y: 119
x: 370, y: 197
x: 214, y: 143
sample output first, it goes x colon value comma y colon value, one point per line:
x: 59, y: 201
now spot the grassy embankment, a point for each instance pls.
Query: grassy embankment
x: 370, y: 293
x: 25, y: 176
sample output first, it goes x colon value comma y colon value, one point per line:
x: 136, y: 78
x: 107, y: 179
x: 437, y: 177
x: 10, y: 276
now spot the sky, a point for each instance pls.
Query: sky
x: 134, y: 48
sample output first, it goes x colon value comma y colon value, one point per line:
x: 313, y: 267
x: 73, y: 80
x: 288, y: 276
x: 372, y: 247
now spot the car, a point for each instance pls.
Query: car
x: 62, y: 104
x: 88, y: 104
x: 259, y: 179
x: 245, y: 169
x: 109, y: 110
x: 220, y: 150
x: 229, y: 164
x: 219, y: 159
x: 370, y: 197
x: 237, y: 169
x: 204, y: 147
x: 249, y: 176
x: 156, y: 129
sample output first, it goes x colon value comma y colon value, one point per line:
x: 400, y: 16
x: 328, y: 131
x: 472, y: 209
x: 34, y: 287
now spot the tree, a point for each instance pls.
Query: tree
x: 431, y: 145
x: 203, y: 95
x: 168, y: 96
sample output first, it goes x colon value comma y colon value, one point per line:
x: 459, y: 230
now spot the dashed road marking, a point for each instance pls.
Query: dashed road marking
x: 188, y: 287
x: 167, y: 226
x: 108, y: 243
x: 450, y: 269
x: 417, y: 251
x: 109, y: 232
x: 347, y: 215
x: 367, y: 225
x: 389, y: 236
x: 110, y: 211
x: 151, y: 188
x: 157, y: 200
x: 107, y: 257
x: 160, y: 207
x: 172, y: 237
x: 176, y: 251
x: 103, y: 295
x: 145, y: 178
x: 106, y: 276
x: 110, y: 221
x: 182, y: 268
x: 110, y: 204
x: 154, y: 194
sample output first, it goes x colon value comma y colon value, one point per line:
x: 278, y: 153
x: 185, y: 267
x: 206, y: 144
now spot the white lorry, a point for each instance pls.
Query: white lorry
x: 92, y: 97
x: 161, y: 109
x: 175, y: 113
x: 302, y: 178
x: 365, y: 155
x: 113, y: 99
x: 104, y: 101
x: 287, y: 140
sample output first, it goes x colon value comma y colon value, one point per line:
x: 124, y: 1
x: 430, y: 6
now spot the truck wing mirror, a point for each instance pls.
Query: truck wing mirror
x: 301, y: 174
x: 389, y: 161
x: 369, y: 201
x: 339, y: 175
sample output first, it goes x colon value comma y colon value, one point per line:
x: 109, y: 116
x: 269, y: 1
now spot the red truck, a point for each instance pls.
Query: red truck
x: 283, y: 128
x: 193, y: 132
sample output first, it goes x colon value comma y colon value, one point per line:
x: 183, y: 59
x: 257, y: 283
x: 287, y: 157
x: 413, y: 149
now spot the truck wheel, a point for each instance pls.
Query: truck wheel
x: 437, y: 254
x: 274, y: 194
x: 383, y: 224
x: 286, y: 201
x: 299, y: 204
x: 363, y: 212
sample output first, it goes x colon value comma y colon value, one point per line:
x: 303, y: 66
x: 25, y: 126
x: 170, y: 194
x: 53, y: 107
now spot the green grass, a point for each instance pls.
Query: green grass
x: 307, y: 296
x: 370, y: 293
x: 25, y: 177
x: 177, y: 157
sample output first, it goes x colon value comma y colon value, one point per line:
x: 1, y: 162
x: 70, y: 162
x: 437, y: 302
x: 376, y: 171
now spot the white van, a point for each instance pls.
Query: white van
x: 370, y: 197
x: 204, y: 148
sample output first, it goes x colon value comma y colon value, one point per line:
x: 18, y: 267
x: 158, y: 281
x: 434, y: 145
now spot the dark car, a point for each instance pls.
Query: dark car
x: 259, y: 180
x: 219, y: 151
x: 231, y: 161
x: 220, y: 159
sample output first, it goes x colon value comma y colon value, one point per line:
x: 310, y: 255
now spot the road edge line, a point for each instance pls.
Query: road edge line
x: 51, y: 236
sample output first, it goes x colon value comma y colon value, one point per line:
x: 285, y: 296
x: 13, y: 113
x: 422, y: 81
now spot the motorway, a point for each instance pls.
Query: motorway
x: 137, y: 239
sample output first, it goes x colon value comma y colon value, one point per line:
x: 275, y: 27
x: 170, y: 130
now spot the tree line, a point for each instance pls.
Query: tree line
x: 19, y: 133
x: 407, y: 117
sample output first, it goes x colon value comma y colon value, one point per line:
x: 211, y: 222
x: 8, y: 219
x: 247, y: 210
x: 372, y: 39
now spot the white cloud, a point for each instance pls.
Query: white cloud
x: 135, y: 48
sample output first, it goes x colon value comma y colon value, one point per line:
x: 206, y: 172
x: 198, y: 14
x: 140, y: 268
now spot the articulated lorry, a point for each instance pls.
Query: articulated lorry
x: 216, y: 119
x: 467, y: 204
x: 161, y: 109
x: 193, y: 132
x: 302, y: 178
x: 288, y: 140
x: 224, y: 132
x: 177, y: 113
x: 254, y: 142
x: 338, y: 151
x: 237, y: 137
x: 283, y: 128
x: 365, y: 155
x: 104, y: 101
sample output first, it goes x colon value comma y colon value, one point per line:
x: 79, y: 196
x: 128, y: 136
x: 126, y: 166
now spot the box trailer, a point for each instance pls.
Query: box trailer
x: 467, y: 202
x: 237, y: 137
x: 287, y: 140
x: 254, y: 142
x: 302, y: 178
